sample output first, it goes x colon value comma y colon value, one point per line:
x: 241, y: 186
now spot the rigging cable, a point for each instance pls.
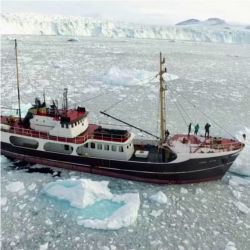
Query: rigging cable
x: 207, y: 116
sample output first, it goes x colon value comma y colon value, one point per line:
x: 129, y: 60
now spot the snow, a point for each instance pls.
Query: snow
x: 211, y: 30
x: 79, y: 193
x: 15, y: 186
x: 83, y: 193
x: 159, y: 197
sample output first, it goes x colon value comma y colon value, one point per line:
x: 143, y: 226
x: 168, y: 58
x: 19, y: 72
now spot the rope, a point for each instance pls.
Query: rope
x: 193, y: 105
x: 179, y: 110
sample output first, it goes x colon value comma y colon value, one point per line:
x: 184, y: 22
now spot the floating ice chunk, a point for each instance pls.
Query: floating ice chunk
x: 48, y: 222
x: 44, y: 246
x: 183, y: 190
x: 85, y: 194
x: 122, y: 217
x: 230, y: 246
x: 241, y: 165
x: 31, y: 186
x: 199, y: 191
x: 237, y: 180
x: 126, y: 77
x: 170, y: 77
x: 156, y: 213
x: 236, y: 194
x: 3, y: 201
x: 242, y: 207
x: 159, y: 197
x: 15, y: 186
x: 80, y: 193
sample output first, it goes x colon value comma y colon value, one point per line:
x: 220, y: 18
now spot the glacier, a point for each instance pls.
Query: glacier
x: 192, y: 30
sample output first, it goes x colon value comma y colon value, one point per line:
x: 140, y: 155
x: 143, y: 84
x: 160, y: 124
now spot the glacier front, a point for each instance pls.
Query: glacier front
x: 37, y: 24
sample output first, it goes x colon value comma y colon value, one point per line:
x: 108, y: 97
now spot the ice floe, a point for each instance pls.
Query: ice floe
x: 242, y: 207
x: 159, y: 197
x: 85, y: 194
x: 15, y: 186
x: 79, y: 193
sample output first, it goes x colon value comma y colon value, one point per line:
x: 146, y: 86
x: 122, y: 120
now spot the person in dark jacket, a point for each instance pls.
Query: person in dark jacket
x: 189, y: 128
x: 196, y: 129
x: 207, y: 126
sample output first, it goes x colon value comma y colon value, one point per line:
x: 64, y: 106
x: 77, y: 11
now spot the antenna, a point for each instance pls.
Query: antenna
x: 18, y: 85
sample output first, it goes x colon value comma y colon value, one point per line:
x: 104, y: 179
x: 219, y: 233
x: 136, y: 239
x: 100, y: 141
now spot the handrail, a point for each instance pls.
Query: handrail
x: 76, y: 140
x: 217, y: 146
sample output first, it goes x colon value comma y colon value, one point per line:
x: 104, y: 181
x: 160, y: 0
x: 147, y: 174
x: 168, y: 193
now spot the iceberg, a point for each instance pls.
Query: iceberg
x: 211, y: 30
x: 100, y: 209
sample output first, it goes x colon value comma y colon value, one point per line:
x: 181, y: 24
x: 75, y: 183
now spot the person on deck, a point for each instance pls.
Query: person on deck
x: 207, y: 126
x: 189, y: 128
x: 196, y: 129
x: 167, y: 134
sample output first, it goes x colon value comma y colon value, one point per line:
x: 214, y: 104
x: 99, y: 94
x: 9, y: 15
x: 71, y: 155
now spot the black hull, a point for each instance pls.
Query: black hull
x: 190, y: 171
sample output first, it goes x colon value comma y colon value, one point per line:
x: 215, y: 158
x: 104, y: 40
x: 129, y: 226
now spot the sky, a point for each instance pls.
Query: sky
x: 149, y: 11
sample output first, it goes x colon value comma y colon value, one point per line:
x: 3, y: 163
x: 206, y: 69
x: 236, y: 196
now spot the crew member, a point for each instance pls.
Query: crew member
x: 207, y: 126
x: 196, y: 129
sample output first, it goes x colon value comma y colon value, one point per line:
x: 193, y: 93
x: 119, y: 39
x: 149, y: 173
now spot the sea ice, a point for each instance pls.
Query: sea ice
x: 83, y: 193
x: 80, y: 193
x: 230, y: 246
x: 15, y: 186
x: 242, y: 207
x: 3, y: 201
x: 159, y: 197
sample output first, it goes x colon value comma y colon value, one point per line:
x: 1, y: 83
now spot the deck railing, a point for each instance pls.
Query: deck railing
x: 218, y: 147
x: 76, y: 140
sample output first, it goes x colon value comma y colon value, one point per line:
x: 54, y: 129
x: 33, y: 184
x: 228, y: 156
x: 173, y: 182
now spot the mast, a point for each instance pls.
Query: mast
x: 162, y: 100
x: 18, y: 85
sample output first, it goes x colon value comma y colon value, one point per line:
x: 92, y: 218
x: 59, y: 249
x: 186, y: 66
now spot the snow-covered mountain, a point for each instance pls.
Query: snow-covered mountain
x: 211, y: 30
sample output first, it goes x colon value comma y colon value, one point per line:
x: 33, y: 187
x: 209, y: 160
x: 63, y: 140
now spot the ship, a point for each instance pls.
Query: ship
x: 64, y: 138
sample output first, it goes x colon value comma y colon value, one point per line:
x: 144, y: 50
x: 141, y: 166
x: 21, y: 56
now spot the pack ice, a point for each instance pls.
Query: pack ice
x: 90, y: 196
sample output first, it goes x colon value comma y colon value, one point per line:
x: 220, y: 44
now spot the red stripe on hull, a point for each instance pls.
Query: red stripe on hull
x: 95, y: 170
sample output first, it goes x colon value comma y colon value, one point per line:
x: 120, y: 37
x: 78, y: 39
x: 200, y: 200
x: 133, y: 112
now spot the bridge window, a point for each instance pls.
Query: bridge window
x: 92, y: 145
x: 113, y: 147
x: 106, y: 147
x: 24, y: 142
x: 58, y: 148
x: 120, y: 148
x: 99, y: 146
x: 86, y: 145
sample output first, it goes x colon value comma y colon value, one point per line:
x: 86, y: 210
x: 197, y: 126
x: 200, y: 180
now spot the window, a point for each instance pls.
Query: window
x: 113, y: 147
x: 92, y: 145
x: 120, y: 148
x: 106, y: 147
x: 58, y: 148
x: 62, y: 125
x: 99, y: 146
x: 67, y: 125
x: 86, y: 145
x: 24, y: 142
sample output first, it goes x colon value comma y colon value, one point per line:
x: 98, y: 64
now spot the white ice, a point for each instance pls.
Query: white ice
x: 79, y: 193
x: 85, y: 192
x: 82, y: 26
x: 15, y: 186
x: 159, y: 197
